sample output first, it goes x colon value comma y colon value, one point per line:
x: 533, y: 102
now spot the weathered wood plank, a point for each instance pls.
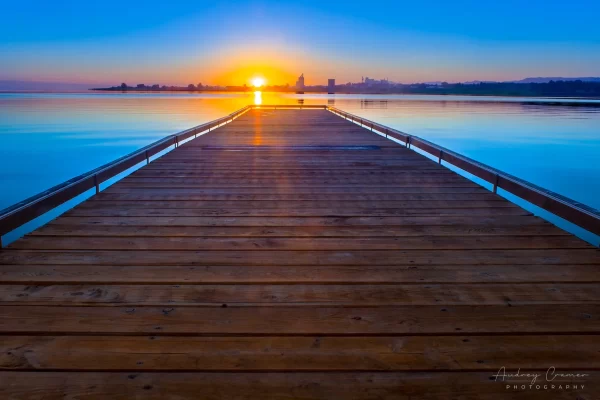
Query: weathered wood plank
x: 284, y: 189
x: 278, y: 257
x: 282, y: 173
x: 83, y: 229
x: 277, y: 197
x: 308, y: 243
x: 283, y: 386
x: 293, y: 205
x: 250, y: 179
x: 243, y: 274
x: 484, y: 223
x: 341, y: 321
x: 132, y: 211
x: 324, y: 353
x: 302, y: 294
x: 301, y: 183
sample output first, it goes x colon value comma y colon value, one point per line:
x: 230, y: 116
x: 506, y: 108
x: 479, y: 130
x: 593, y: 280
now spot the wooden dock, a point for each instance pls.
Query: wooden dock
x: 292, y: 254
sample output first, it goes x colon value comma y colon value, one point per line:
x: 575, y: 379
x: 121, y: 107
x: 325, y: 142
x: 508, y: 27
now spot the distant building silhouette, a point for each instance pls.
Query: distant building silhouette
x: 300, y: 84
x: 374, y: 82
x: 331, y: 86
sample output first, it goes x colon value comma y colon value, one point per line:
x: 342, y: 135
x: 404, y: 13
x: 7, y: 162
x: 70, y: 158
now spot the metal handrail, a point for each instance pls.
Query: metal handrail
x: 579, y: 214
x: 573, y: 211
x: 19, y: 214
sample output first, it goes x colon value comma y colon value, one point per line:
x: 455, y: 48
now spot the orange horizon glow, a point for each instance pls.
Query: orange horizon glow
x: 237, y: 64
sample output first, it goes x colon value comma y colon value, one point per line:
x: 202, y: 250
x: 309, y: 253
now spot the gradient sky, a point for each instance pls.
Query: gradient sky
x: 181, y: 42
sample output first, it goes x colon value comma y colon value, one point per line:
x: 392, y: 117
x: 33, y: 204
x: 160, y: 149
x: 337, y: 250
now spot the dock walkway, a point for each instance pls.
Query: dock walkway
x: 292, y: 254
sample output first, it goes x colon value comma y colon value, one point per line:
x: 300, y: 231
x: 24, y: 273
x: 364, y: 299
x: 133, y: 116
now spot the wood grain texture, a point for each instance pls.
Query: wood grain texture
x: 282, y: 386
x: 292, y: 254
x: 311, y: 320
x: 258, y: 257
x: 32, y: 274
x: 328, y: 353
x: 302, y: 294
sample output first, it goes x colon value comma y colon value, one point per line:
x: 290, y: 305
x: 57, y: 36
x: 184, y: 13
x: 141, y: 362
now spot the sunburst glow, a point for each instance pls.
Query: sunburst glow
x: 258, y: 82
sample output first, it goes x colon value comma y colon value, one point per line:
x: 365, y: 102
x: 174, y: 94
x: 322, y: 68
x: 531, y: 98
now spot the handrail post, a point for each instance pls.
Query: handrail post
x: 441, y: 155
x: 495, y: 190
x: 96, y: 183
x: 147, y: 158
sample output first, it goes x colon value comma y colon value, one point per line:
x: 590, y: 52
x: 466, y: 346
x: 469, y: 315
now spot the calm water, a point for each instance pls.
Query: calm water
x: 49, y: 138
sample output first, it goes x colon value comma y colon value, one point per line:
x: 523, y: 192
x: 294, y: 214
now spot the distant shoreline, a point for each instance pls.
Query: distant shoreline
x: 552, y: 89
x: 333, y: 94
x: 547, y: 99
x: 352, y: 93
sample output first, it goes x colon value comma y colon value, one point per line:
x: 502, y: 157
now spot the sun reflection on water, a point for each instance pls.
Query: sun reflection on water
x: 257, y: 98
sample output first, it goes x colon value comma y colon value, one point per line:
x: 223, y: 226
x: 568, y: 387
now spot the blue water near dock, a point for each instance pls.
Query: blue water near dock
x: 48, y: 138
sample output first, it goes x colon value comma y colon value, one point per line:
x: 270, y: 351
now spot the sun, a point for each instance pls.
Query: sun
x: 258, y: 82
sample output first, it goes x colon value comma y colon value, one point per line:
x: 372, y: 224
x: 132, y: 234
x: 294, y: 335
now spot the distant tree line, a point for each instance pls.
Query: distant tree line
x: 550, y: 89
x: 123, y: 87
x: 154, y: 88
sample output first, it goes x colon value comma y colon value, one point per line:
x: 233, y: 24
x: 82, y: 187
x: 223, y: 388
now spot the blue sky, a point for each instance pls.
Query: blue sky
x: 226, y: 42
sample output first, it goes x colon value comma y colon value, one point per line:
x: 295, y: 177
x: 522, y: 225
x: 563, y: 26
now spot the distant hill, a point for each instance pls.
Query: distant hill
x: 546, y: 80
x: 31, y: 86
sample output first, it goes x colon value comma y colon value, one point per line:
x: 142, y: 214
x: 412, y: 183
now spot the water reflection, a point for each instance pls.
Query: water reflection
x: 373, y: 103
x: 257, y: 98
x: 49, y: 138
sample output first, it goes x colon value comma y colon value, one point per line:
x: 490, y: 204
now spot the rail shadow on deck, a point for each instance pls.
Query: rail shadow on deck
x: 294, y: 254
